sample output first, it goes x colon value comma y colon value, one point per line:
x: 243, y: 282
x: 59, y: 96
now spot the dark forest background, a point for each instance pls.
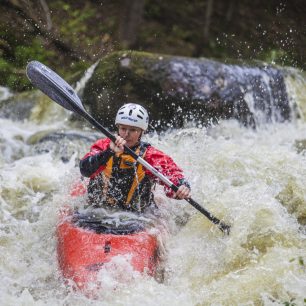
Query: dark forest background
x: 71, y: 35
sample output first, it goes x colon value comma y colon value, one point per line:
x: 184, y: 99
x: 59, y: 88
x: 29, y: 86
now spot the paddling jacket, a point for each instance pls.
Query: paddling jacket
x: 118, y: 180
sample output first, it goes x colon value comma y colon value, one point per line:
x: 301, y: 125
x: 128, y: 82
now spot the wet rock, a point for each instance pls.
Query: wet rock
x: 31, y: 105
x: 63, y: 144
x: 177, y: 90
x: 19, y: 106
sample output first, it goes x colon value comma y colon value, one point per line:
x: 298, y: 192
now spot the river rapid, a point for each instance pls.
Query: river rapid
x: 252, y: 179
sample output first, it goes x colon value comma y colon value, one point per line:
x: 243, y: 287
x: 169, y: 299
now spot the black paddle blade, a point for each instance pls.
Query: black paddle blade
x: 53, y: 86
x: 226, y: 229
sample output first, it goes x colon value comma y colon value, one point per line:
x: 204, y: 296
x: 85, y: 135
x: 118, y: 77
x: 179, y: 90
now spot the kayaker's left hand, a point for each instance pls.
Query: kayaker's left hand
x: 118, y: 146
x: 183, y: 193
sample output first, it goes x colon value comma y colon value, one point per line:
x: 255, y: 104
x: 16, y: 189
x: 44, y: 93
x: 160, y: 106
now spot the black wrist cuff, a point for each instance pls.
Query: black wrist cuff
x: 104, y: 156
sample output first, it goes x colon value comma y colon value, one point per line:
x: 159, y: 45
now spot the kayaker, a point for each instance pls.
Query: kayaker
x: 116, y: 179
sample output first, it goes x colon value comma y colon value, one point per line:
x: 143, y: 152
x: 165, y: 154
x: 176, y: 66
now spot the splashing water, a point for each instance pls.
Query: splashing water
x: 253, y: 180
x: 79, y: 87
x: 5, y: 93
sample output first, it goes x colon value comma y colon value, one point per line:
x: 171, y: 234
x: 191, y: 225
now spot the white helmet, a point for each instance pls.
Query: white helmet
x: 133, y: 115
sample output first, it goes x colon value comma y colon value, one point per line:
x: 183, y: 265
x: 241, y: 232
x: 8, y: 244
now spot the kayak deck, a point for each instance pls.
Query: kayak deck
x: 83, y: 252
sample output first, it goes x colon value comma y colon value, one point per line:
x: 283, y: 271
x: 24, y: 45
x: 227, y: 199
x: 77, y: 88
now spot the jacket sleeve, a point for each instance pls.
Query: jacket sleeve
x: 165, y: 165
x: 95, y: 160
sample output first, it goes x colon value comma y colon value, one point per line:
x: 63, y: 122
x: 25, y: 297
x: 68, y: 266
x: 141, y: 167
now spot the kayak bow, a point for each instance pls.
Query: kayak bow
x: 84, y: 247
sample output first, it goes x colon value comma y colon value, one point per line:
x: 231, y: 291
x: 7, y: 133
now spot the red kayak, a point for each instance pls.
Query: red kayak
x: 86, y: 244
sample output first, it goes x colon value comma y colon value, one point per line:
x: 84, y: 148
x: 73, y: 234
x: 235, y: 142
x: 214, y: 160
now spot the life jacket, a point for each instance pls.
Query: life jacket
x: 122, y: 183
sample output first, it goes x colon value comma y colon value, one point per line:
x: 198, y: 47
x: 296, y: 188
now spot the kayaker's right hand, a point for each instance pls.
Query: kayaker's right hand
x: 118, y: 146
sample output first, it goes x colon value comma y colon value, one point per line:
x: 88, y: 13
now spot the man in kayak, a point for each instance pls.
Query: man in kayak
x: 116, y: 179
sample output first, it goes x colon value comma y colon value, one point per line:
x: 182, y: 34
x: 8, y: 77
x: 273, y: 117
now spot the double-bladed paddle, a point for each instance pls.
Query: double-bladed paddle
x: 63, y: 94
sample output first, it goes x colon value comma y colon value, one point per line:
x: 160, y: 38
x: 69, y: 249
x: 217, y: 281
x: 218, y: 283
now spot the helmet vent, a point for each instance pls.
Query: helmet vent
x: 121, y: 113
x: 130, y: 113
x: 139, y: 117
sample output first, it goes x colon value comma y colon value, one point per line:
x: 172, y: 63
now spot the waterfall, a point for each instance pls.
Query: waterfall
x: 5, y: 93
x: 79, y: 87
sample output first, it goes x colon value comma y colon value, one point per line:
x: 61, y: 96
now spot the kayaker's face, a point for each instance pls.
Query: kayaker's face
x: 130, y: 134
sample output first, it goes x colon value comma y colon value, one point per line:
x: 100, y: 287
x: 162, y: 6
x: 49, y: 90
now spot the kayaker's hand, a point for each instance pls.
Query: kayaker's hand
x: 118, y: 146
x: 183, y: 193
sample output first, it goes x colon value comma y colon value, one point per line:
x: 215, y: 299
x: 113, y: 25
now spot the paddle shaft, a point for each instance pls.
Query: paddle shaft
x: 62, y: 93
x: 222, y: 226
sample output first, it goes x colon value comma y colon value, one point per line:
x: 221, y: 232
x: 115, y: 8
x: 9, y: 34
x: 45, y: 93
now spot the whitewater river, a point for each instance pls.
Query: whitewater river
x: 253, y: 180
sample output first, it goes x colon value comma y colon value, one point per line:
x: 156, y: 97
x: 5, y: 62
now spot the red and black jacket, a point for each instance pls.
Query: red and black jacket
x: 97, y: 162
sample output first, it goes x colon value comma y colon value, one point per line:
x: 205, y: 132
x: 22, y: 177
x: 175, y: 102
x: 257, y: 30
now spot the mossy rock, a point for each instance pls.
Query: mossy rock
x: 177, y: 90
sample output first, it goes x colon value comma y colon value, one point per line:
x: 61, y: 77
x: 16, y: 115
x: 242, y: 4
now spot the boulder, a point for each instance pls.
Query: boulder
x: 176, y: 90
x: 19, y: 106
x: 62, y: 144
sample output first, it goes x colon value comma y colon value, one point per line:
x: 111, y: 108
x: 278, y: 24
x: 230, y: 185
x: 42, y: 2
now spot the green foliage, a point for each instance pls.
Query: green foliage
x: 36, y: 50
x: 277, y: 56
x: 4, y: 67
x: 234, y: 30
x: 12, y: 70
x: 76, y: 22
x: 290, y: 303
